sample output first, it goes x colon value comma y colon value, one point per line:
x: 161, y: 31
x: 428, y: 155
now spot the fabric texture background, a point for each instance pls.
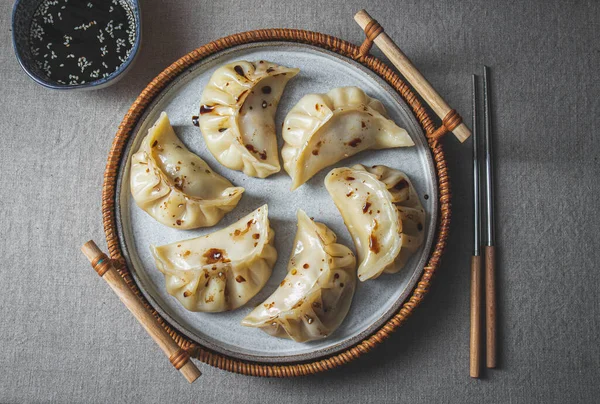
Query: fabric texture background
x: 65, y: 337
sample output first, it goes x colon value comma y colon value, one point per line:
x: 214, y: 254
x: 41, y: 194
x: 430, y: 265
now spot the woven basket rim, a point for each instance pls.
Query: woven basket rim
x: 339, y: 47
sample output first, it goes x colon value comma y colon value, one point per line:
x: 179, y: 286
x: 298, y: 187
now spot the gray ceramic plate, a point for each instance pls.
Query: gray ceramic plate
x: 375, y: 301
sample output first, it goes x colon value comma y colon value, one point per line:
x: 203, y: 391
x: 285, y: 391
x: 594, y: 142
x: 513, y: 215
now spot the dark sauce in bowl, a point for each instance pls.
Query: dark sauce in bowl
x: 80, y: 41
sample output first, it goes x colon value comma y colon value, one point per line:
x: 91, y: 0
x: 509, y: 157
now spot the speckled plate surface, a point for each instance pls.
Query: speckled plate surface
x: 375, y: 301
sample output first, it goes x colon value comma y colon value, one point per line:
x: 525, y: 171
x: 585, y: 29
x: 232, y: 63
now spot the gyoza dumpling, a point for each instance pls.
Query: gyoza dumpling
x: 222, y: 270
x: 175, y: 186
x: 383, y: 214
x: 237, y: 115
x: 323, y: 129
x: 314, y: 298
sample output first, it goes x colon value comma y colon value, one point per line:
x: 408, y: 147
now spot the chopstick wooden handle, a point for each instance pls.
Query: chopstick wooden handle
x: 414, y: 77
x: 490, y: 305
x: 476, y: 303
x: 104, y: 267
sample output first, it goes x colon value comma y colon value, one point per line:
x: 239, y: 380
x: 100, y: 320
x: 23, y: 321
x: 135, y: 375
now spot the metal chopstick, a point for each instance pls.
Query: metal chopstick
x: 490, y: 264
x: 476, y: 292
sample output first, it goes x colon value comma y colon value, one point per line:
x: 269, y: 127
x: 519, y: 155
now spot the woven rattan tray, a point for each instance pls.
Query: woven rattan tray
x: 346, y: 50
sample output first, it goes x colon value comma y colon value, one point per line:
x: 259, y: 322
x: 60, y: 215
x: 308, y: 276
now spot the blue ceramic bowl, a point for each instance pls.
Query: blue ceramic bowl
x: 22, y: 16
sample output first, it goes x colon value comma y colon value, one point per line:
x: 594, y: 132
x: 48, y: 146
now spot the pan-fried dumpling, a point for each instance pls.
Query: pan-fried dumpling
x: 222, y: 270
x: 323, y: 129
x: 237, y: 115
x: 314, y: 298
x: 175, y: 186
x: 383, y: 214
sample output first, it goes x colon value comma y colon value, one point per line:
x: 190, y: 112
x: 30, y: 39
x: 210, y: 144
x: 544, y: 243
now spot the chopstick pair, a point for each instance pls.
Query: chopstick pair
x: 489, y: 251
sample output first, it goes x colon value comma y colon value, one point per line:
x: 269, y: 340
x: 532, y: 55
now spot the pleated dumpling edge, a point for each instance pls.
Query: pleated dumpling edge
x: 383, y: 214
x: 314, y: 298
x: 175, y: 186
x: 322, y: 129
x: 237, y: 115
x: 222, y: 270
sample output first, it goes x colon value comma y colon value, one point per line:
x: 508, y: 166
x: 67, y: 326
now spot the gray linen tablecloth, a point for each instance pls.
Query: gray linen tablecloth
x: 64, y: 336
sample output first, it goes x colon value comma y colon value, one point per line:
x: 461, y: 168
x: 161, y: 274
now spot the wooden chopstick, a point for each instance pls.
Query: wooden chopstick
x: 412, y: 74
x: 490, y: 252
x: 476, y: 301
x: 476, y: 291
x: 490, y: 306
x: 179, y: 358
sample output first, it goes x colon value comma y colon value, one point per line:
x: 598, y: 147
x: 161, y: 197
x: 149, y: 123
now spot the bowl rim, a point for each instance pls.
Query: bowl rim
x: 97, y: 84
